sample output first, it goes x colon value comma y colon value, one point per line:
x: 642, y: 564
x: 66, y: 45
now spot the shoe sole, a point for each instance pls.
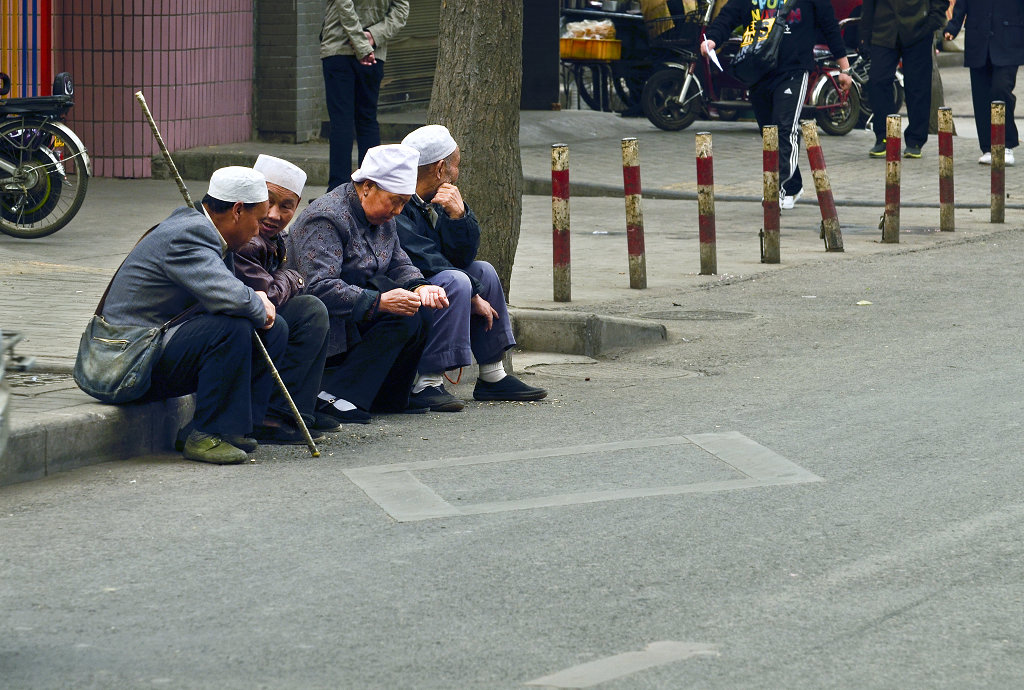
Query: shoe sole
x: 211, y: 461
x: 521, y: 398
x: 876, y: 155
x: 911, y: 155
x: 452, y: 406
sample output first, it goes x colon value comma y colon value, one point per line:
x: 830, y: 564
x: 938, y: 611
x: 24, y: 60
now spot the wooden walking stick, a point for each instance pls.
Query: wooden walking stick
x: 188, y: 200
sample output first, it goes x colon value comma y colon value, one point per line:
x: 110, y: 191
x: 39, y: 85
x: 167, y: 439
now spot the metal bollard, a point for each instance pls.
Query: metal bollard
x: 706, y: 205
x: 998, y: 212
x: 893, y: 144
x: 770, y: 202
x: 830, y: 231
x: 634, y: 214
x: 947, y: 222
x: 560, y: 223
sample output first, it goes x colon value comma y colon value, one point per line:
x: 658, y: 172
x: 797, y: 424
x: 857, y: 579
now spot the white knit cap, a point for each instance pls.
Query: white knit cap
x: 282, y: 173
x: 235, y: 183
x: 392, y: 167
x: 434, y: 142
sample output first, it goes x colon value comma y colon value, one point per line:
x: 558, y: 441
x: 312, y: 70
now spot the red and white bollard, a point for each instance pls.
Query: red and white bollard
x: 770, y: 200
x: 706, y: 205
x: 893, y: 144
x: 634, y: 214
x: 947, y: 223
x: 830, y: 231
x: 998, y: 212
x: 560, y: 223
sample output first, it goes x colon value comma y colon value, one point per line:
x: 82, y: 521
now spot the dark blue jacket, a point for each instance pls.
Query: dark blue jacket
x: 995, y: 28
x: 451, y: 244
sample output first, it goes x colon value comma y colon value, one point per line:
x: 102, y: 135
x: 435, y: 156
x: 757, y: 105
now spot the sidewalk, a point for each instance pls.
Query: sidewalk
x: 49, y: 287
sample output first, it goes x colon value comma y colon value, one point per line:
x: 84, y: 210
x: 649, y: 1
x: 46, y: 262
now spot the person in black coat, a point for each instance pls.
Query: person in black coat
x: 993, y: 49
x: 778, y: 98
x: 901, y: 30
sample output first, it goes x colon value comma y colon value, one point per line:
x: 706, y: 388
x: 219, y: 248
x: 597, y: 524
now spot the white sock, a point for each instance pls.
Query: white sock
x: 423, y: 380
x: 339, y: 404
x: 492, y: 373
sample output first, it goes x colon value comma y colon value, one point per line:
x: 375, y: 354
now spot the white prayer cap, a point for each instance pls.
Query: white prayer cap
x: 434, y: 142
x: 282, y: 173
x: 235, y: 183
x: 392, y: 167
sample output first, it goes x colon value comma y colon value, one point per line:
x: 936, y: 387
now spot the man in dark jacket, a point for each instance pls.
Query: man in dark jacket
x: 441, y: 236
x: 901, y: 30
x: 260, y: 265
x: 993, y: 49
x: 778, y: 98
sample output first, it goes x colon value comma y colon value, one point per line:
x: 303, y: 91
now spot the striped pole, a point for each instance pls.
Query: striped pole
x: 706, y: 205
x: 560, y: 222
x: 947, y: 222
x: 770, y: 201
x: 830, y: 231
x: 998, y: 212
x: 634, y: 214
x: 891, y: 219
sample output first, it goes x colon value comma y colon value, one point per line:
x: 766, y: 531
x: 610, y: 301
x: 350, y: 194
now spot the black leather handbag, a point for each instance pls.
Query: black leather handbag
x: 759, y: 48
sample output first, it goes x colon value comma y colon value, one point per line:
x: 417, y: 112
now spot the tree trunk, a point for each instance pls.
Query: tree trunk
x: 476, y: 95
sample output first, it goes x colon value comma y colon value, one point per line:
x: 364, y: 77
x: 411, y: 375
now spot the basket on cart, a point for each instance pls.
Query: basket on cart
x: 674, y: 23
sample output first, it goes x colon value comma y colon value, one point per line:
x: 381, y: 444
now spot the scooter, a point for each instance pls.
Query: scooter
x: 44, y: 166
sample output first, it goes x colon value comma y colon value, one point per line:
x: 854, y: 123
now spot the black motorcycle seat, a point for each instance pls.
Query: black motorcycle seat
x: 43, y: 105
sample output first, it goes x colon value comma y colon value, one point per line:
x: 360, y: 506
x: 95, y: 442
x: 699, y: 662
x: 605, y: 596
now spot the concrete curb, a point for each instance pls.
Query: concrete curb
x: 88, y: 434
x: 92, y: 433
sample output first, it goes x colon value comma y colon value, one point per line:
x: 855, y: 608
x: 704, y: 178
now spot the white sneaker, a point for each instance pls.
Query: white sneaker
x: 787, y: 201
x: 986, y: 158
x: 1008, y: 157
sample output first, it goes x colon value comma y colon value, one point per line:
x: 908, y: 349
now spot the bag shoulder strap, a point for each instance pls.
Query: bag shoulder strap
x: 103, y: 299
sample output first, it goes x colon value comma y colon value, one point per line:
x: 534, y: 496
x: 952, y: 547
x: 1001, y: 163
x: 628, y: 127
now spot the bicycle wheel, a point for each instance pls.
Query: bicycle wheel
x: 49, y: 181
x: 835, y: 117
x: 661, y: 104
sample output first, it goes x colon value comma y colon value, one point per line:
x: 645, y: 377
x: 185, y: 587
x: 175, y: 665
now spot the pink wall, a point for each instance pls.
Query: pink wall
x: 192, y: 59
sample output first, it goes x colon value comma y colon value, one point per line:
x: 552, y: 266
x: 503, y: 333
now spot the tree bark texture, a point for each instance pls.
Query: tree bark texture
x: 477, y: 88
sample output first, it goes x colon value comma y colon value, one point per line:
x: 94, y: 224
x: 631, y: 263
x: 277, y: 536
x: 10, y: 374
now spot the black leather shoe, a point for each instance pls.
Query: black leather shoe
x: 509, y: 388
x: 278, y: 435
x: 353, y: 416
x: 437, y: 399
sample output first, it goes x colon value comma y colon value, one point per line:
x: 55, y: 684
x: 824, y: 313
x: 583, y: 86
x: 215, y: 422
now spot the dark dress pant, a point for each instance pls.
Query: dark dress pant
x: 917, y: 80
x: 304, y: 318
x: 778, y: 102
x: 352, y: 90
x: 992, y: 83
x: 377, y: 372
x: 213, y: 356
x: 455, y: 333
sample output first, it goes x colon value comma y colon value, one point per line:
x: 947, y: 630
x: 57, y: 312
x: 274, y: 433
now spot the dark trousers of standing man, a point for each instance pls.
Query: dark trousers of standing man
x: 304, y: 318
x: 778, y: 101
x: 352, y: 90
x: 377, y: 372
x: 993, y: 83
x: 214, y: 357
x: 917, y: 80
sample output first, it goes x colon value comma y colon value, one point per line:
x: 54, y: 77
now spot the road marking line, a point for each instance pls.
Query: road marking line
x: 406, y: 499
x: 603, y: 670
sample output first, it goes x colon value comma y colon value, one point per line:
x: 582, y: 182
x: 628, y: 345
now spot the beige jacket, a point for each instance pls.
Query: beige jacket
x: 346, y: 20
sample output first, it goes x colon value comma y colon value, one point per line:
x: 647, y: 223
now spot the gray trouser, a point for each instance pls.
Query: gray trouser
x: 456, y: 333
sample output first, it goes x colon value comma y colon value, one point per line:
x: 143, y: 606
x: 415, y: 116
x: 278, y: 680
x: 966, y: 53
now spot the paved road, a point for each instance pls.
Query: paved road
x: 841, y: 506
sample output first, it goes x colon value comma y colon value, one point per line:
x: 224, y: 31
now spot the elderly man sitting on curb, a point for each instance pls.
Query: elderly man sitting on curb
x: 259, y: 264
x: 441, y: 236
x: 345, y: 246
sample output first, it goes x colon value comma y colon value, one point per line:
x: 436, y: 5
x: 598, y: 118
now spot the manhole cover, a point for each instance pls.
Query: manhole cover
x: 697, y: 315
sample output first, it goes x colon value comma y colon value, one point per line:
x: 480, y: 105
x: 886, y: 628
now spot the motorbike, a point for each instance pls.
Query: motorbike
x: 682, y: 89
x: 44, y: 166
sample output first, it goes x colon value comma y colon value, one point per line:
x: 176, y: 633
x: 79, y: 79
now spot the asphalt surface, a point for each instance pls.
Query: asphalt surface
x: 853, y: 517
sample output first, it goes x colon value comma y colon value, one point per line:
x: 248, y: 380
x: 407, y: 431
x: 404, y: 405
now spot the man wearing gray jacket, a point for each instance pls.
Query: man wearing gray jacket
x: 179, y: 269
x: 353, y: 47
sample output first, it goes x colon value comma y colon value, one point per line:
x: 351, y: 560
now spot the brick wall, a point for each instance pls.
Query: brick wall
x: 289, y: 84
x: 193, y: 60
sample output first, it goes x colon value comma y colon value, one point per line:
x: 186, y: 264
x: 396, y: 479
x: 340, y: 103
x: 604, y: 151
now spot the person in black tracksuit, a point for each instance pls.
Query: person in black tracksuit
x: 903, y: 30
x: 779, y: 96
